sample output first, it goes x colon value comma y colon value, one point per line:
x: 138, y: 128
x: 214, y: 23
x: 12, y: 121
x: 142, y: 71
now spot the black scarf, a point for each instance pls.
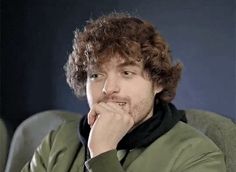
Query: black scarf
x: 165, y: 116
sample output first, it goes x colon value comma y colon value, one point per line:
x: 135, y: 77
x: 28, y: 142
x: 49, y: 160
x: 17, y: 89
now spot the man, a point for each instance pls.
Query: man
x: 124, y: 67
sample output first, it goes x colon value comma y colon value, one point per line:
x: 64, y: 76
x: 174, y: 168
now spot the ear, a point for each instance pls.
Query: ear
x: 158, y: 89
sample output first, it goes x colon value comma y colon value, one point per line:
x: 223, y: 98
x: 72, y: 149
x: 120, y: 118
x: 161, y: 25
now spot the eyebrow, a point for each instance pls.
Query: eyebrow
x: 121, y: 65
x: 129, y: 63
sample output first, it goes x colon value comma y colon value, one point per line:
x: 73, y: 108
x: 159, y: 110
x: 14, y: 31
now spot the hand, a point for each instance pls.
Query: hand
x: 109, y: 124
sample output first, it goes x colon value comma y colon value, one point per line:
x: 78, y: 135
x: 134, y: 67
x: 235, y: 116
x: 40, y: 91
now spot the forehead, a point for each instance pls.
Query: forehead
x: 115, y: 61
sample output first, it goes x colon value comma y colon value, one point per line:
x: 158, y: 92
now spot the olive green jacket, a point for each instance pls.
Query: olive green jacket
x: 182, y: 149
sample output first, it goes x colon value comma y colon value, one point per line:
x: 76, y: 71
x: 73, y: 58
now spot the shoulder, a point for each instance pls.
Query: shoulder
x: 184, y: 137
x: 57, y: 149
x: 194, y: 150
x: 64, y: 145
x: 187, y: 136
x: 181, y: 146
x: 67, y: 131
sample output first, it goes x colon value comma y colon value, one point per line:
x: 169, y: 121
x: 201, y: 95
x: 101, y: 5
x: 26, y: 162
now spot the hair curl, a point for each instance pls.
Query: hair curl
x: 133, y: 39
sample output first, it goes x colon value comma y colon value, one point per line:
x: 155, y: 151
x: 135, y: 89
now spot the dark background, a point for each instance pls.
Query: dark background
x: 36, y: 38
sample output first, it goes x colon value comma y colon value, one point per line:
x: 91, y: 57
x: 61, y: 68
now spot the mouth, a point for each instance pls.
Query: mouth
x: 121, y: 103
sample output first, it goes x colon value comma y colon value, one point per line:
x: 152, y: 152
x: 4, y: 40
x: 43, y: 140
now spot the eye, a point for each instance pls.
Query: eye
x: 127, y: 73
x: 95, y: 76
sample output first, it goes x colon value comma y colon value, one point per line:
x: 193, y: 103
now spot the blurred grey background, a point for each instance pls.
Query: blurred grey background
x: 36, y: 38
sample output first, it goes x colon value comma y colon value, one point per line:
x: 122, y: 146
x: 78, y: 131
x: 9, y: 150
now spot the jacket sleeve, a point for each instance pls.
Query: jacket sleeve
x: 105, y: 162
x: 39, y: 161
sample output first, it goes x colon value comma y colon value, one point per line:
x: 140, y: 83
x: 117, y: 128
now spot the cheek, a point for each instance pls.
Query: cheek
x: 140, y: 94
x: 93, y: 92
x: 142, y: 104
x: 89, y: 94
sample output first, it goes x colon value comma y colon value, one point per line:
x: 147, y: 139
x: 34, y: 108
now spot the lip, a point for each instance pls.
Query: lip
x: 121, y: 103
x: 118, y: 102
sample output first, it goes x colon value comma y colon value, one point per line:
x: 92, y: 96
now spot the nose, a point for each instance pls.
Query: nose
x: 111, y: 86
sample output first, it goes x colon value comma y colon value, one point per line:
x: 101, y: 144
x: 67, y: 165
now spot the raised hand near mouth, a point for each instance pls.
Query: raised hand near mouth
x: 109, y: 123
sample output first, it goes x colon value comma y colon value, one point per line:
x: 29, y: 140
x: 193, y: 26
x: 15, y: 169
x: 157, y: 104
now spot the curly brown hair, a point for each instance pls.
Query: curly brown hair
x: 133, y: 39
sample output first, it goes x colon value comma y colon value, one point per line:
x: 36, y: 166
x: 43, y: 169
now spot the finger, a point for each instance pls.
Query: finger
x: 111, y: 107
x: 93, y: 113
x: 106, y: 107
x: 115, y: 107
x: 121, y: 108
x: 91, y: 117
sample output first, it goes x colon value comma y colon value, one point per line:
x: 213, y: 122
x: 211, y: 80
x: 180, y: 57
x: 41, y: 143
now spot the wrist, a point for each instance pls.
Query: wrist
x: 97, y: 151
